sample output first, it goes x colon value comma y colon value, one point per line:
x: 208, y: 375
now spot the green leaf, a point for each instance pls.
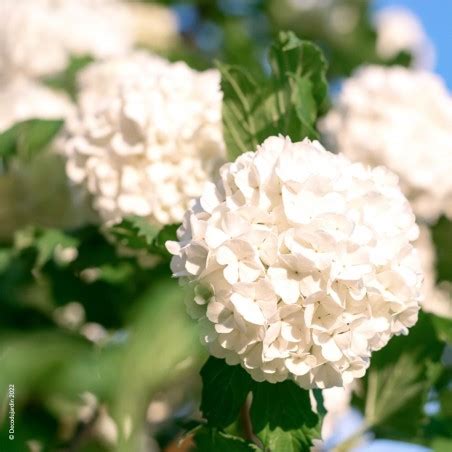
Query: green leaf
x: 5, y: 259
x: 134, y: 232
x: 67, y: 79
x: 299, y: 68
x: 443, y: 327
x: 441, y: 234
x: 25, y: 139
x: 48, y: 241
x: 287, y: 102
x: 442, y: 445
x: 212, y: 440
x: 224, y: 391
x: 282, y: 417
x: 318, y: 396
x: 137, y: 233
x: 398, y: 382
x: 8, y: 143
x: 44, y: 241
x: 242, y: 106
x: 168, y: 232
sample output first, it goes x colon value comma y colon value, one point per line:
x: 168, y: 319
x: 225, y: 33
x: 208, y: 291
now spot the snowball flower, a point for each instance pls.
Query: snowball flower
x: 37, y: 37
x: 22, y: 99
x: 99, y: 82
x: 148, y: 140
x: 401, y: 119
x: 398, y: 30
x: 302, y: 263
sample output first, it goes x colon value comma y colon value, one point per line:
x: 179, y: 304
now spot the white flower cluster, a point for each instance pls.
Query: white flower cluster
x: 37, y: 37
x: 145, y: 141
x: 436, y: 299
x: 401, y: 119
x: 99, y: 82
x: 398, y: 29
x: 302, y: 263
x: 22, y: 99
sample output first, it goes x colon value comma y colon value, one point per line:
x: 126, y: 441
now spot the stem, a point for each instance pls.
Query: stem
x: 352, y: 441
x: 246, y: 421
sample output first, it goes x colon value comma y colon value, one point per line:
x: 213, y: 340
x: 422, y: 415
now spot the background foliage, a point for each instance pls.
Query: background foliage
x: 98, y: 324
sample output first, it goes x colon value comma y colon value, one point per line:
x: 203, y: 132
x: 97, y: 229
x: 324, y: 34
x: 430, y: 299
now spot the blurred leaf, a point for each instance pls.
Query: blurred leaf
x: 212, y: 440
x: 45, y: 242
x: 116, y: 274
x: 27, y: 138
x: 30, y: 360
x: 163, y: 347
x: 67, y: 79
x: 442, y: 233
x: 282, y: 417
x: 443, y: 328
x: 134, y: 232
x: 287, y: 103
x: 5, y: 258
x: 398, y: 381
x: 224, y: 391
x: 8, y: 142
x: 442, y: 445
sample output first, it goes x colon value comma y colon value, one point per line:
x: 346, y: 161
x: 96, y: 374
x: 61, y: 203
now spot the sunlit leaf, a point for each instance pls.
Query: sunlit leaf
x: 287, y: 102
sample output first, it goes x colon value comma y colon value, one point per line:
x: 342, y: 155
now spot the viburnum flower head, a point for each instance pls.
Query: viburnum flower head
x: 401, y: 119
x: 147, y: 137
x: 398, y: 29
x: 302, y: 263
x: 38, y: 37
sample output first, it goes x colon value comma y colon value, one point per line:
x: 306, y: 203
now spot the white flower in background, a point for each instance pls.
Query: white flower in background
x: 398, y: 30
x: 99, y: 82
x: 310, y: 5
x: 302, y: 263
x: 401, y: 119
x: 154, y: 25
x: 149, y: 142
x: 100, y: 28
x: 37, y: 37
x: 437, y: 299
x: 22, y: 99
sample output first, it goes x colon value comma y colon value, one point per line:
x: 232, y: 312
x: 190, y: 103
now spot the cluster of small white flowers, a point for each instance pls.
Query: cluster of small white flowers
x: 22, y: 99
x: 302, y: 263
x: 436, y: 299
x: 398, y: 29
x: 99, y: 82
x: 401, y: 119
x: 37, y: 37
x: 145, y: 141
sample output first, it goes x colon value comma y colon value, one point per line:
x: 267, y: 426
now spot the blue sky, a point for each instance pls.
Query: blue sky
x: 436, y: 16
